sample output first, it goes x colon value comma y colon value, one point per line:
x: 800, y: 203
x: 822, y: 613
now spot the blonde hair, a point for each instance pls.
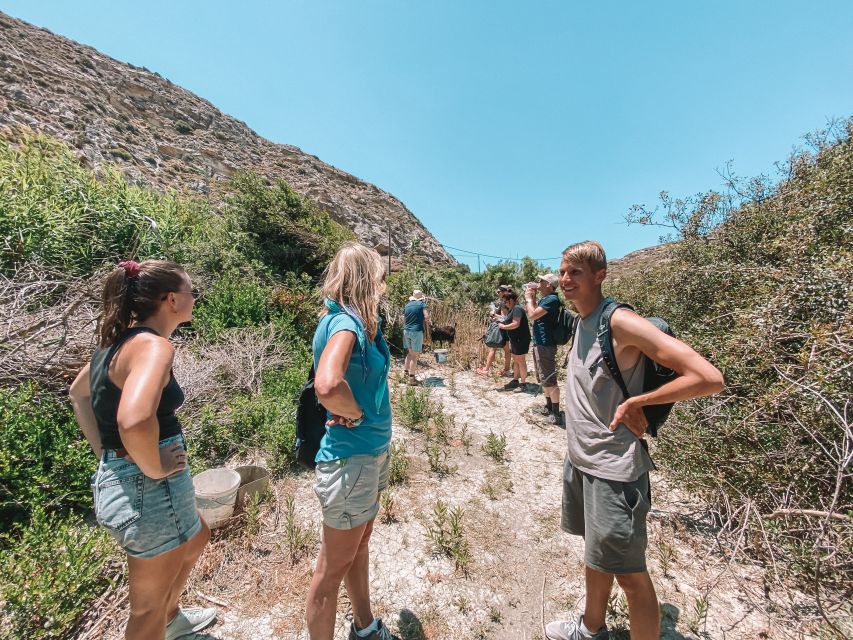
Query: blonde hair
x: 587, y: 252
x: 354, y: 279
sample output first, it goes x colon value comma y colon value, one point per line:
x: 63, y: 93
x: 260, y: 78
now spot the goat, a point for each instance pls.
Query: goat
x: 444, y: 333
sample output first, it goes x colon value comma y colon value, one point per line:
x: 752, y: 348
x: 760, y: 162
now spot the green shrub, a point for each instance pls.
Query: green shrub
x: 58, y: 214
x: 266, y: 421
x: 766, y: 296
x: 50, y: 572
x: 289, y: 233
x: 414, y: 407
x: 398, y: 469
x: 232, y: 302
x: 183, y: 127
x: 44, y: 459
x: 495, y: 446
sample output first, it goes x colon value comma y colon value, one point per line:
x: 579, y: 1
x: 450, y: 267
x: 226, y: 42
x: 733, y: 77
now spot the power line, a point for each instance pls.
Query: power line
x: 486, y: 255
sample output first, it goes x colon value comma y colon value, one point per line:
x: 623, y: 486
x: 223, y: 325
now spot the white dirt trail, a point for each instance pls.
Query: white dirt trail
x: 523, y: 570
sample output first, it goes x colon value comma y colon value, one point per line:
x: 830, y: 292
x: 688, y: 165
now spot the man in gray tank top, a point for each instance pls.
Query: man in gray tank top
x: 606, y: 496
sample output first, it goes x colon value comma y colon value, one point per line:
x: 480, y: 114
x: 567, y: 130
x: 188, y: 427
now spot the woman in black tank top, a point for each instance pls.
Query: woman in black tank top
x: 125, y: 401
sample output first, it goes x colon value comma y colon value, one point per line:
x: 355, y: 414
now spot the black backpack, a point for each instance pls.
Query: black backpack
x: 655, y: 375
x: 310, y: 424
x: 564, y: 328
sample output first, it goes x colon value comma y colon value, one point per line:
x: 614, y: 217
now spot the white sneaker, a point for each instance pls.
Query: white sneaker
x: 571, y: 630
x: 188, y: 621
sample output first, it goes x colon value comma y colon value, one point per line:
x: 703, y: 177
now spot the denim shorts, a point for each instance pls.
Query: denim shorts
x: 349, y: 489
x: 146, y: 517
x: 413, y: 340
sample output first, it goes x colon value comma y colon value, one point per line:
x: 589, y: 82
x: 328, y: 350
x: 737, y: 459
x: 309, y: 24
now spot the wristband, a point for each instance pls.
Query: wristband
x: 358, y: 422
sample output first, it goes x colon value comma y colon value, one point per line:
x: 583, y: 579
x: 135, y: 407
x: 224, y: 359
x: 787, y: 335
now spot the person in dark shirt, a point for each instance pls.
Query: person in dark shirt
x: 497, y: 313
x: 518, y: 332
x: 125, y: 402
x: 544, y: 315
x: 416, y: 319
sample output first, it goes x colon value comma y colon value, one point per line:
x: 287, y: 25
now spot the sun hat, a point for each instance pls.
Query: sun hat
x: 550, y: 278
x: 417, y: 294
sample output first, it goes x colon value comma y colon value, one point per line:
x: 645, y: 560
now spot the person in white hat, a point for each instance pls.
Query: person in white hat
x: 544, y: 313
x: 416, y: 320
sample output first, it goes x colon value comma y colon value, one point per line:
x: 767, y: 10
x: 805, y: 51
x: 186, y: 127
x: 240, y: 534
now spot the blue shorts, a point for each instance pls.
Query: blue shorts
x: 146, y: 517
x: 413, y: 340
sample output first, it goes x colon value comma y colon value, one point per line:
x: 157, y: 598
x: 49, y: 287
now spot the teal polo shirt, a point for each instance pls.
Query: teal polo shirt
x: 367, y: 376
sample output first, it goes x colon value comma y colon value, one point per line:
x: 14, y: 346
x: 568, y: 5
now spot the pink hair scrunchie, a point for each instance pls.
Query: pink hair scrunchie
x: 131, y: 268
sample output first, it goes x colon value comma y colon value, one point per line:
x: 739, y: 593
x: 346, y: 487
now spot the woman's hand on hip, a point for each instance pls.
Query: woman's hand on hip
x: 342, y: 421
x: 173, y: 458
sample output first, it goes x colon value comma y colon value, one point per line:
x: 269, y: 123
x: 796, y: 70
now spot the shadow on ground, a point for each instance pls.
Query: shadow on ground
x: 410, y: 627
x: 668, y: 623
x: 432, y: 381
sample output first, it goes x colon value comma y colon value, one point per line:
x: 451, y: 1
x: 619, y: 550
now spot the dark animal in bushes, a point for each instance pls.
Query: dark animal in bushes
x: 445, y: 333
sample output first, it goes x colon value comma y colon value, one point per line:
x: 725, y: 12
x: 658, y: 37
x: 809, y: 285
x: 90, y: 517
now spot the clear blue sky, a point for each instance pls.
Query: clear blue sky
x: 506, y: 127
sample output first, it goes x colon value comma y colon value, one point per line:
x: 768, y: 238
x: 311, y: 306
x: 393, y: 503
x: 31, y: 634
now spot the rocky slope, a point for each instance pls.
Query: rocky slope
x: 166, y: 136
x: 638, y: 261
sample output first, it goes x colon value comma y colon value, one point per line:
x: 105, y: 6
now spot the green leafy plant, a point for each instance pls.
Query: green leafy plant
x: 398, y: 465
x: 386, y: 501
x: 298, y: 539
x: 495, y: 446
x: 447, y: 537
x: 51, y: 570
x: 414, y: 408
x: 44, y: 460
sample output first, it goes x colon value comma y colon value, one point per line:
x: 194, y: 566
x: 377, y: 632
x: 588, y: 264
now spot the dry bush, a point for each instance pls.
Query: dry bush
x: 211, y: 373
x: 470, y: 323
x: 47, y: 325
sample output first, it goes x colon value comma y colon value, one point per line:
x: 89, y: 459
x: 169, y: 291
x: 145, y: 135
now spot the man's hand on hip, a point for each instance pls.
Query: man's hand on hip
x: 631, y: 415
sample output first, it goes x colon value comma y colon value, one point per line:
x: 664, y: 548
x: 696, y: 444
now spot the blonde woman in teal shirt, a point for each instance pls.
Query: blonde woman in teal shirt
x: 352, y: 360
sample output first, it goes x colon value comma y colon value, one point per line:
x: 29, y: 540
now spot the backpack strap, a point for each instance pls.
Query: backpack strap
x: 605, y: 341
x: 576, y: 318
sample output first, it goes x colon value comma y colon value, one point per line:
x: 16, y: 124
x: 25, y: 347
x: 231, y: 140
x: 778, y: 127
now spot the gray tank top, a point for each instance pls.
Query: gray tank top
x: 592, y: 397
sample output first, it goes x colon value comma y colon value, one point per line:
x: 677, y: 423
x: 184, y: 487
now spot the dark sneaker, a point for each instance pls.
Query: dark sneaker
x: 512, y: 384
x: 413, y: 381
x: 382, y: 633
x: 553, y: 418
x: 571, y: 630
x: 543, y: 411
x: 522, y: 388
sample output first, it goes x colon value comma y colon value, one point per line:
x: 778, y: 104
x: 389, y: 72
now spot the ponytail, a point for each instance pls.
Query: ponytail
x: 133, y: 291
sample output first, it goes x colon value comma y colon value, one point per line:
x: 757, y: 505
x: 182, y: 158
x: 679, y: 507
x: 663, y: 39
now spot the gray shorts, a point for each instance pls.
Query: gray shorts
x: 546, y: 364
x: 611, y: 517
x: 349, y: 489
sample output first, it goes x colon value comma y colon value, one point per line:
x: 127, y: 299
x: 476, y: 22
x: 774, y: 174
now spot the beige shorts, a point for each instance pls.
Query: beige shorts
x: 349, y: 489
x: 546, y: 364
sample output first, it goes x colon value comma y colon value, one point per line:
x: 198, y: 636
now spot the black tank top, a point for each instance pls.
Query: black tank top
x: 106, y: 395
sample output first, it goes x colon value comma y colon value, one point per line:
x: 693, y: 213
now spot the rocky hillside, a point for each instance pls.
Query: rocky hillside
x: 166, y: 136
x: 638, y: 261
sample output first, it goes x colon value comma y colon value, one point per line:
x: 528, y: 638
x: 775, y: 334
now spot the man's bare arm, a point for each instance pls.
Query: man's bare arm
x: 696, y: 376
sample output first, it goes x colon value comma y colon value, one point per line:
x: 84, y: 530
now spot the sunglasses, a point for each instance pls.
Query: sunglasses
x: 195, y: 293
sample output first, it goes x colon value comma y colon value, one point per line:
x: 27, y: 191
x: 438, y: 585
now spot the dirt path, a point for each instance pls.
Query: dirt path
x: 522, y: 569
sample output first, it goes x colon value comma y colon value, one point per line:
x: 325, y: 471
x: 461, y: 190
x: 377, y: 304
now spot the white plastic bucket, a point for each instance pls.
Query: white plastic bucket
x: 216, y: 493
x: 440, y: 356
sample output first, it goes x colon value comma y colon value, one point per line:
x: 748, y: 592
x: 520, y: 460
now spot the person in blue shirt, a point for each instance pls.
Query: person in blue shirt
x: 416, y: 320
x: 351, y: 361
x: 544, y: 315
